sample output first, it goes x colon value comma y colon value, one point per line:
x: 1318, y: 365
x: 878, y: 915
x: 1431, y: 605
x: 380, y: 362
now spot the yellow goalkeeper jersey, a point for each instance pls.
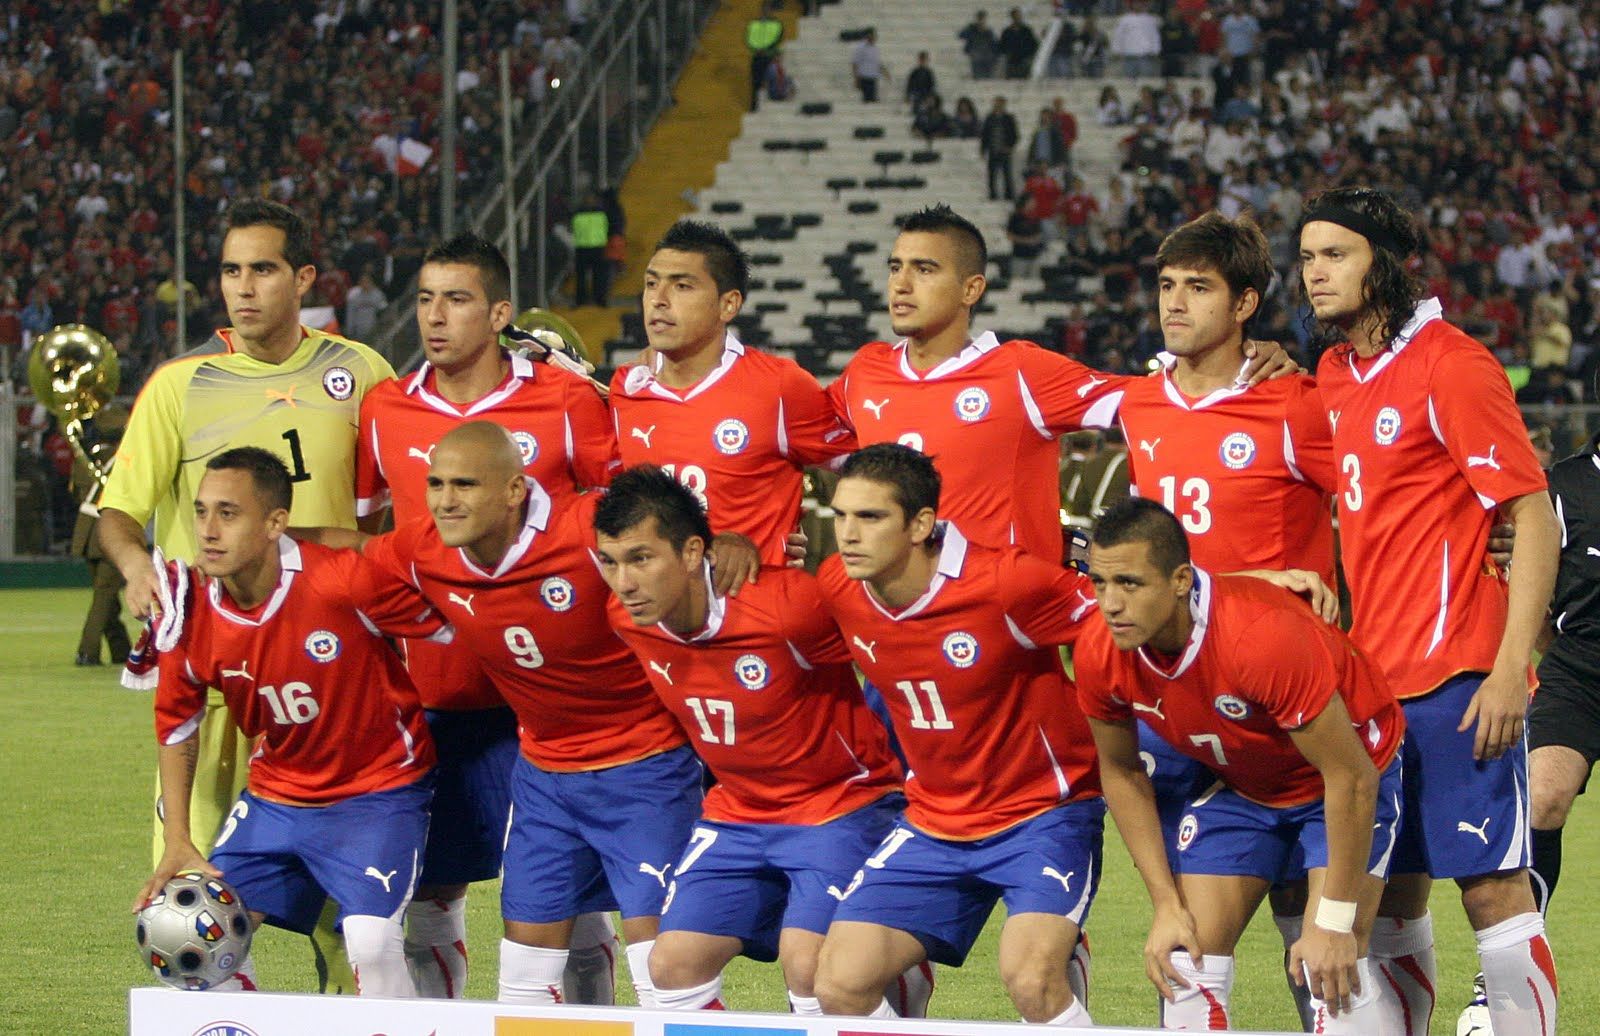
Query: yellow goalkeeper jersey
x: 304, y: 409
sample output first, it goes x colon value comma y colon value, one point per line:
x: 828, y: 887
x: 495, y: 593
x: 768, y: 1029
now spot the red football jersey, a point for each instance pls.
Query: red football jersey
x: 739, y: 438
x: 1230, y: 699
x: 538, y: 624
x: 560, y: 424
x: 989, y: 417
x: 308, y: 673
x: 771, y: 703
x: 1248, y: 470
x: 987, y: 718
x: 1428, y: 440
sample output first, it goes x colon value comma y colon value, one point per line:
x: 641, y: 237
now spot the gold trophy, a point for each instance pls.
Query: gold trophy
x: 74, y: 372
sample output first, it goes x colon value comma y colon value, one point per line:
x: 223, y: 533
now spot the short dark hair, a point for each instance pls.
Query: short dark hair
x: 644, y: 492
x: 726, y: 261
x: 259, y: 212
x: 971, y: 250
x: 1389, y: 289
x: 471, y: 249
x: 1141, y: 520
x: 267, y: 471
x: 1236, y: 249
x: 910, y: 474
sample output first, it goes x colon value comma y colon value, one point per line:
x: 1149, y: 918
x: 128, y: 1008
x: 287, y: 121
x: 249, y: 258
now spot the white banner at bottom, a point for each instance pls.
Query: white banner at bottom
x: 168, y: 1012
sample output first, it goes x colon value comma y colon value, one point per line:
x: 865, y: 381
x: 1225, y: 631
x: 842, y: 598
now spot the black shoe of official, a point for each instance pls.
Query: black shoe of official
x: 83, y: 659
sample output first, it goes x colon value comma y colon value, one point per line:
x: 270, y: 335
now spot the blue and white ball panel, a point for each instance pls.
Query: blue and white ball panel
x: 598, y: 839
x: 1462, y: 817
x: 751, y: 881
x: 364, y: 853
x: 472, y: 794
x: 1222, y: 832
x: 942, y: 891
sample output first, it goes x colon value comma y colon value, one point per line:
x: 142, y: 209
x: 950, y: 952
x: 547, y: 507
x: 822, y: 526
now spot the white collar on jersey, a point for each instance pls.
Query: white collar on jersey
x: 716, y: 611
x: 289, y: 562
x: 1200, y: 612
x: 521, y: 370
x: 974, y: 350
x: 1175, y: 395
x: 643, y: 379
x: 1427, y: 311
x: 952, y: 560
x: 538, y: 517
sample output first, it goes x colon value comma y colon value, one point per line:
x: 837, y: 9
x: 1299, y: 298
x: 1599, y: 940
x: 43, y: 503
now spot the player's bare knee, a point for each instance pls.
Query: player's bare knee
x: 800, y: 971
x: 673, y: 966
x: 1038, y: 991
x: 1550, y: 808
x: 1492, y: 898
x: 841, y: 989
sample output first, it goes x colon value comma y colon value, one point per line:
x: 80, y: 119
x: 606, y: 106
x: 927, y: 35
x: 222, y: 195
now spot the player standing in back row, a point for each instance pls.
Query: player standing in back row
x: 1428, y: 442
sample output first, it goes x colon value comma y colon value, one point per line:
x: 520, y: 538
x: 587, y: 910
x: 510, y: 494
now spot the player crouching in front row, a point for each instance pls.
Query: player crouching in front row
x: 1304, y: 735
x: 337, y: 802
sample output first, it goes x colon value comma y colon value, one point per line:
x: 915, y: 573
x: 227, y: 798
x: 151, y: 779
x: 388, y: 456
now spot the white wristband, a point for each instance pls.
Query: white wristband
x: 1336, y: 916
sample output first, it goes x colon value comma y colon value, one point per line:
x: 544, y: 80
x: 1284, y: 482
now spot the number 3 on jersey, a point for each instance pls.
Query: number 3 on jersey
x: 1351, y: 467
x: 693, y: 477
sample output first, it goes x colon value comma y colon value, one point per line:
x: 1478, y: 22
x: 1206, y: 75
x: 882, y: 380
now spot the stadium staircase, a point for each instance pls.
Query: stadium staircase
x: 812, y: 186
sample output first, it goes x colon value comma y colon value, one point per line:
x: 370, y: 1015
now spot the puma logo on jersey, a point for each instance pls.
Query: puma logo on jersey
x: 1594, y: 552
x: 242, y: 673
x: 1149, y: 448
x: 425, y: 456
x: 1065, y: 879
x: 643, y: 435
x: 465, y: 602
x: 659, y: 875
x: 1484, y: 462
x: 1154, y: 710
x: 868, y: 648
x: 876, y: 408
x: 286, y: 396
x: 377, y: 875
x: 1462, y: 827
x: 1085, y: 603
x: 657, y: 667
x: 1089, y: 386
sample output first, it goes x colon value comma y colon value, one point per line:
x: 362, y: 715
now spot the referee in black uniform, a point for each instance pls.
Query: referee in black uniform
x: 1564, y: 717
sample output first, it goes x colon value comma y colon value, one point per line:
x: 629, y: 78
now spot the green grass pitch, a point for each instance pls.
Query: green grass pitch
x: 77, y: 757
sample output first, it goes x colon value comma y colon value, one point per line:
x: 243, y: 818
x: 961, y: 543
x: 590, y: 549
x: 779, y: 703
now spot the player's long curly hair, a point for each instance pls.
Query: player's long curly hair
x: 1390, y: 290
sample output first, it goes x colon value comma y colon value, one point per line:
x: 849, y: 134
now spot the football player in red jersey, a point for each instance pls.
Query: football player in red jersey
x: 718, y: 415
x: 1306, y: 745
x: 563, y: 432
x: 764, y: 687
x: 1429, y: 442
x: 1003, y: 797
x: 337, y: 802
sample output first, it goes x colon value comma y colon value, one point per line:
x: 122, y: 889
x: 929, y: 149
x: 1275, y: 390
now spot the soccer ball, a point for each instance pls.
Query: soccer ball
x: 1474, y: 1021
x: 195, y: 932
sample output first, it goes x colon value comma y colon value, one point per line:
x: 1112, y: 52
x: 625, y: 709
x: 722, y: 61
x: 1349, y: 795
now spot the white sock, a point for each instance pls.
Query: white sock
x: 436, y: 947
x: 1079, y: 968
x: 909, y: 993
x: 639, y: 971
x: 530, y: 974
x: 883, y: 1010
x: 1406, y: 971
x: 1364, y: 1016
x: 1204, y: 1005
x: 1075, y: 1014
x: 806, y: 1006
x: 376, y: 947
x: 591, y: 976
x: 704, y: 997
x: 1519, y: 974
x: 1289, y: 927
x: 242, y: 980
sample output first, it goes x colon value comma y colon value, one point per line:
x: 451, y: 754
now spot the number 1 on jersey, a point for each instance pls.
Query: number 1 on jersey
x: 297, y: 469
x: 708, y: 709
x: 935, y: 718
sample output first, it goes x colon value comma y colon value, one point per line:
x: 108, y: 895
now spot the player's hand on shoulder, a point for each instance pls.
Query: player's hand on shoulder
x: 735, y: 561
x: 1324, y: 599
x: 1499, y: 708
x: 1325, y: 962
x: 1172, y: 929
x: 175, y: 860
x: 795, y: 548
x: 1267, y: 360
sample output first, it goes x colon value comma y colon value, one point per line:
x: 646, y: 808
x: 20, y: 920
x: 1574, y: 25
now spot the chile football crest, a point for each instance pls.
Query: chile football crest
x: 1386, y: 429
x: 527, y: 446
x: 972, y: 404
x: 1238, y: 450
x: 730, y: 436
x: 752, y: 672
x: 322, y: 646
x: 556, y: 593
x: 961, y: 649
x: 1233, y: 708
